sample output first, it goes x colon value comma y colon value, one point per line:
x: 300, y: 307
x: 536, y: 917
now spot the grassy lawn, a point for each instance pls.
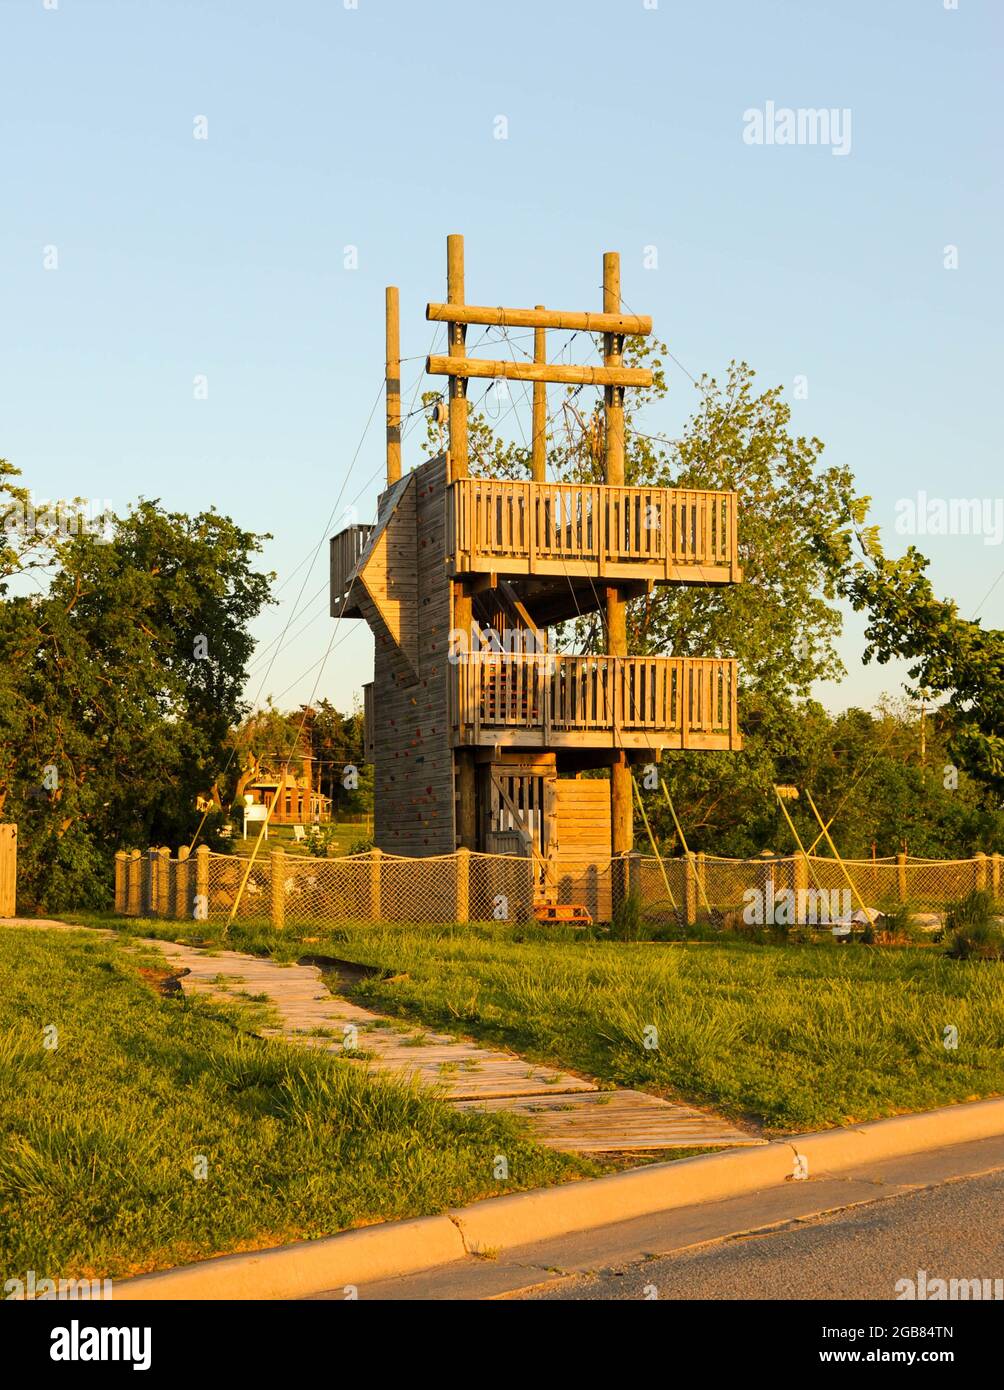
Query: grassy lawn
x: 798, y: 1037
x: 344, y: 837
x: 101, y: 1138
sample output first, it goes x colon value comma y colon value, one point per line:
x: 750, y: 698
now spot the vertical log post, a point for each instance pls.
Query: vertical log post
x: 995, y: 876
x: 134, y: 887
x: 702, y: 878
x: 538, y: 462
x: 901, y: 876
x: 691, y: 894
x: 457, y: 348
x: 801, y: 876
x: 375, y: 904
x: 463, y: 862
x: 621, y: 810
x: 277, y: 882
x: 393, y: 385
x: 200, y: 906
x: 466, y: 795
x: 150, y: 895
x: 181, y: 895
x: 164, y: 881
x: 121, y: 878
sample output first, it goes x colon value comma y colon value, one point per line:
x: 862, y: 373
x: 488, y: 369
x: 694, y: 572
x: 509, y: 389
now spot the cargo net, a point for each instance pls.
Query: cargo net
x: 280, y: 889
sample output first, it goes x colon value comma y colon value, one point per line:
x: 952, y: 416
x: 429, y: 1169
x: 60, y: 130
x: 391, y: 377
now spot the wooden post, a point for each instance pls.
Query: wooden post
x: 134, y: 885
x: 375, y: 906
x: 457, y: 340
x: 538, y: 464
x: 901, y: 876
x: 801, y: 877
x: 980, y: 871
x: 621, y: 821
x: 8, y: 870
x: 462, y: 618
x: 181, y: 871
x: 463, y: 862
x: 200, y: 906
x: 393, y: 385
x: 995, y: 876
x: 152, y: 883
x: 691, y: 891
x: 702, y: 884
x: 164, y: 880
x: 277, y: 880
x: 121, y: 874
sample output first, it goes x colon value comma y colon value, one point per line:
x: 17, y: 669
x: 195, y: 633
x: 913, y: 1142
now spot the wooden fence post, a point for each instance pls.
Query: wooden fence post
x: 121, y: 860
x: 8, y: 869
x: 134, y: 884
x: 462, y: 859
x: 375, y: 884
x: 200, y: 909
x: 691, y: 893
x: 701, y: 875
x: 995, y: 876
x: 901, y: 876
x: 150, y: 905
x: 801, y: 875
x: 980, y: 871
x: 277, y: 880
x: 164, y: 881
x: 181, y: 899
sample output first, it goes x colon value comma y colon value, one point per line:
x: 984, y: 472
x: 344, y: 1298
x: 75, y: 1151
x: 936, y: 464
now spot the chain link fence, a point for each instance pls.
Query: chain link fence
x: 468, y: 887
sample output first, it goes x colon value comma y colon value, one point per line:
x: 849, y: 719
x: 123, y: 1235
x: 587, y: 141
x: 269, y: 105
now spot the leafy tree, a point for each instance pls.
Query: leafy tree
x: 952, y: 656
x: 123, y: 674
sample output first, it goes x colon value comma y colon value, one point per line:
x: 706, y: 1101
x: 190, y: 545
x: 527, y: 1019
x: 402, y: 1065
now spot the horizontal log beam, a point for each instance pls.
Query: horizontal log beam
x: 539, y: 371
x: 630, y: 324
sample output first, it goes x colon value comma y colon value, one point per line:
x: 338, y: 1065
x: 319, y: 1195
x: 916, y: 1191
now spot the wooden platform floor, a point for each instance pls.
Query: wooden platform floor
x: 563, y: 1110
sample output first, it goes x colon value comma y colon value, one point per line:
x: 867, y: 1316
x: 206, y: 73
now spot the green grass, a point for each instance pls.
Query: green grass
x: 100, y: 1138
x: 796, y: 1037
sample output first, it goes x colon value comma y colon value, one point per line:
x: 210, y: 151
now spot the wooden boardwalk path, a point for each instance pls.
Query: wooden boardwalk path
x: 563, y: 1110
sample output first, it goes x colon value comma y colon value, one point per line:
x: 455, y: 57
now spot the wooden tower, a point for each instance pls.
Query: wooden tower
x: 478, y: 729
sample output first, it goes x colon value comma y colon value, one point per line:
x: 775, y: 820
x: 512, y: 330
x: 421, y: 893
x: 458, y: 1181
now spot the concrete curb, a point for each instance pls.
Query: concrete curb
x: 503, y: 1223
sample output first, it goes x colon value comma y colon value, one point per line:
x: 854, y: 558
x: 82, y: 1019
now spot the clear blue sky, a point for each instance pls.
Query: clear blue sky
x: 374, y: 127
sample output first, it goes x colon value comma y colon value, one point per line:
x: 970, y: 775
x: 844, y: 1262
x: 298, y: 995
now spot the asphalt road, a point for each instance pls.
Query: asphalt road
x: 955, y: 1230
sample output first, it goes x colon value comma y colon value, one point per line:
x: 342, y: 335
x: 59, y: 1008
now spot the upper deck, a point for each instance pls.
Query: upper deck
x: 588, y: 530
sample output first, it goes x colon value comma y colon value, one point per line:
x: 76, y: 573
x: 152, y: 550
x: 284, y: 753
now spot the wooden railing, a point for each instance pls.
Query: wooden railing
x: 346, y: 549
x: 635, y: 701
x: 543, y: 528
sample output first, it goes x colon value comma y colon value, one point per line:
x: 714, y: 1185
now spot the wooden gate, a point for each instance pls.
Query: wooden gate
x: 8, y: 869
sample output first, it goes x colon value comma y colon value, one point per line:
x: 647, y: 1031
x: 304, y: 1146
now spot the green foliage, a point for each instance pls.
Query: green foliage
x: 121, y: 675
x: 627, y: 919
x: 975, y: 910
x: 953, y: 657
x: 865, y: 768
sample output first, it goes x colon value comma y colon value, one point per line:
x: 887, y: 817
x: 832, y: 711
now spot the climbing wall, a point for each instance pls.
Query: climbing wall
x: 413, y: 760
